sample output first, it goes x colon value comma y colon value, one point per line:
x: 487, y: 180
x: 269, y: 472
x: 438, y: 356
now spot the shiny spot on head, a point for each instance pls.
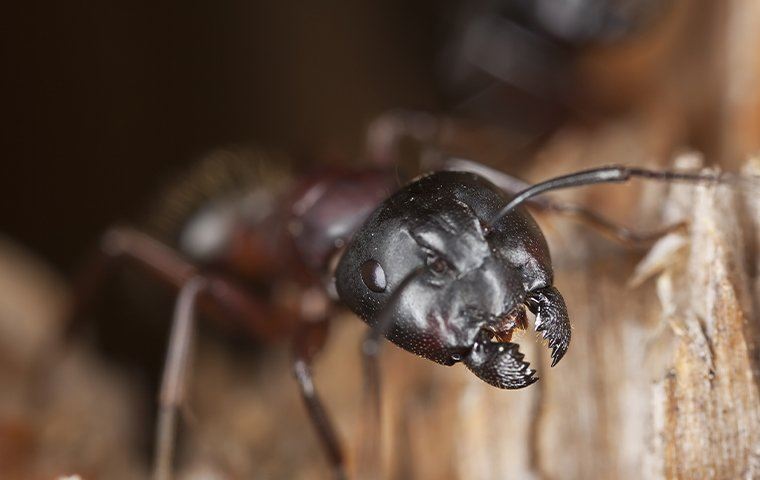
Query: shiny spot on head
x: 373, y: 276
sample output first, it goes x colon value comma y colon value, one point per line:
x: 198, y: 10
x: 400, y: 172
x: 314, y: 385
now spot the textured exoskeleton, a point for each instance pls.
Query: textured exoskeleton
x: 474, y: 279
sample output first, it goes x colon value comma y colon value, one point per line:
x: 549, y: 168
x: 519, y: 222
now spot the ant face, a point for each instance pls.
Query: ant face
x: 470, y: 285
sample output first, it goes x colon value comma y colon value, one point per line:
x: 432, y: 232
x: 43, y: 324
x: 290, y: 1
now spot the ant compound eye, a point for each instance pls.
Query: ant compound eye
x: 437, y: 264
x: 373, y: 276
x: 456, y: 357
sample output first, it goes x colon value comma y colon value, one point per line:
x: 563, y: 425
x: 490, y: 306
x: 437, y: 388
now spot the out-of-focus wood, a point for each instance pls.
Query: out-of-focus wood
x: 741, y: 94
x: 82, y: 417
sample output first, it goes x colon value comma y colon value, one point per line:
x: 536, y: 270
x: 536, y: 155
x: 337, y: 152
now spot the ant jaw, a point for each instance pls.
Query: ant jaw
x: 551, y: 320
x: 499, y: 364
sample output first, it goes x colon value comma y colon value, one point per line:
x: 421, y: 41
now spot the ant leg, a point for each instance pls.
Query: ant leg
x: 228, y: 302
x: 198, y: 291
x: 118, y: 246
x: 508, y: 183
x: 174, y: 381
x: 607, y: 227
x: 385, y: 135
x: 212, y: 294
x: 308, y: 341
x: 369, y: 455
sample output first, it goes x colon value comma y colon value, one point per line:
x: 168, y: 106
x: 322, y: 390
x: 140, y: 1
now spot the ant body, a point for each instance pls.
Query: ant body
x: 444, y: 267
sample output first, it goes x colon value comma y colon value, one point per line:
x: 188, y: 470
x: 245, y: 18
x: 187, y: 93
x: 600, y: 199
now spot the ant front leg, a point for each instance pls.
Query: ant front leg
x: 309, y: 339
x: 173, y: 383
x: 369, y: 455
x: 226, y: 301
x: 211, y: 293
x: 386, y: 135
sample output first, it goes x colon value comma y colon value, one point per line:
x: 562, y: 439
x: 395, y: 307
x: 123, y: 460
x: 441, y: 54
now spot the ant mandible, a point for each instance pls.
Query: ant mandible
x: 444, y: 267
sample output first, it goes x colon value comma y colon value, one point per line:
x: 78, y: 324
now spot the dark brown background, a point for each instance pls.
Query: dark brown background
x: 103, y: 101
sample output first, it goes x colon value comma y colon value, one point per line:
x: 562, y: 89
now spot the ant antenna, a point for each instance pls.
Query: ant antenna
x: 609, y: 174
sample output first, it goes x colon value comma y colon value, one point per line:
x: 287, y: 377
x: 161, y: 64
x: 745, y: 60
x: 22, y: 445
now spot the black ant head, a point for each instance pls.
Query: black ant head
x: 471, y: 280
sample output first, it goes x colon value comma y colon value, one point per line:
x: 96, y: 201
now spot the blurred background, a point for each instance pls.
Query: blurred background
x: 104, y: 104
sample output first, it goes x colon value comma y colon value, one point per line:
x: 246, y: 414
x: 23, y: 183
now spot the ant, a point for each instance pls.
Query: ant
x: 445, y: 267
